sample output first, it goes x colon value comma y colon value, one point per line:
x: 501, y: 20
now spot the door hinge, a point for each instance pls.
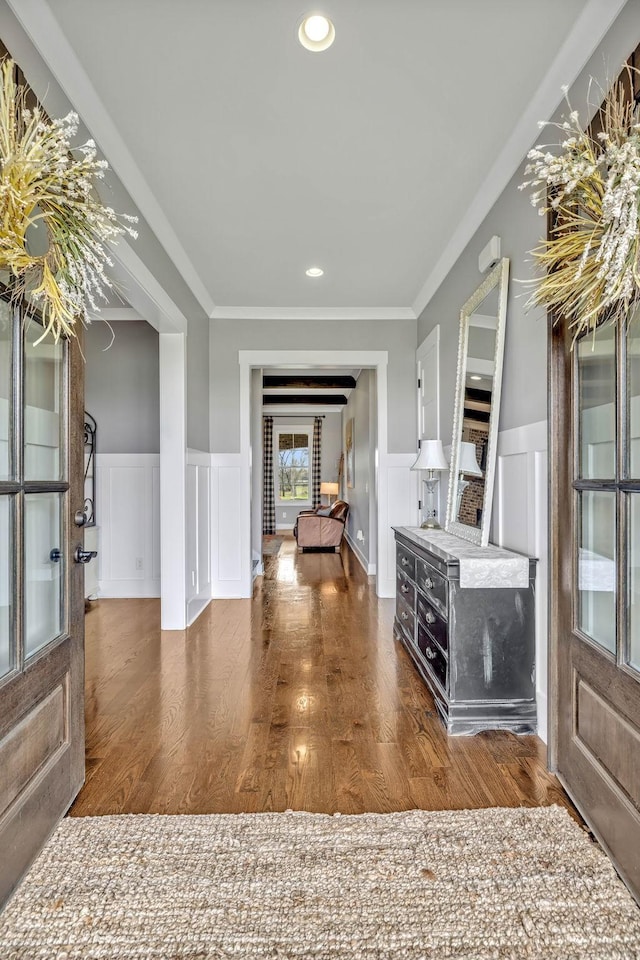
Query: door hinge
x: 419, y: 383
x: 419, y: 444
x: 419, y: 504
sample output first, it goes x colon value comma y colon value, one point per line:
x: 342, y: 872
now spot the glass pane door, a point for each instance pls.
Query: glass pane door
x: 33, y: 489
x: 43, y: 366
x: 7, y: 564
x: 5, y: 388
x: 43, y: 563
x: 597, y: 567
x: 597, y: 404
x: 633, y: 588
x: 41, y: 587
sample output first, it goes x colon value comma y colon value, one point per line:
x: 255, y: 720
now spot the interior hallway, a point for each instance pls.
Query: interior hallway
x: 299, y: 698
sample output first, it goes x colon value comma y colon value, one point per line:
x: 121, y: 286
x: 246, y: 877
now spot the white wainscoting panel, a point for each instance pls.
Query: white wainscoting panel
x: 230, y: 526
x: 520, y: 515
x: 198, y: 571
x: 398, y: 502
x: 128, y: 515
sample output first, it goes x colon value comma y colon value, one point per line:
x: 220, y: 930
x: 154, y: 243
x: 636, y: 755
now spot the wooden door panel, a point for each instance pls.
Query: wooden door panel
x: 584, y: 662
x: 599, y: 748
x: 36, y: 759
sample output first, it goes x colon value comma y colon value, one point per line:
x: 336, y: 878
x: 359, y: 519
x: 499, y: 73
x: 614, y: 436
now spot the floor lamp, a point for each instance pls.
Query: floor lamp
x: 432, y: 459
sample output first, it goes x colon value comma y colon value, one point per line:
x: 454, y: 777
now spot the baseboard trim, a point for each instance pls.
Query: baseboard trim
x: 543, y: 706
x: 369, y: 568
x: 195, y: 608
x: 128, y: 589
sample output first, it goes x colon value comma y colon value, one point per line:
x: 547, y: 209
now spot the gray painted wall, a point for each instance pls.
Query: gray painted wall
x: 122, y: 389
x: 524, y: 389
x: 398, y: 337
x: 198, y: 384
x: 360, y: 495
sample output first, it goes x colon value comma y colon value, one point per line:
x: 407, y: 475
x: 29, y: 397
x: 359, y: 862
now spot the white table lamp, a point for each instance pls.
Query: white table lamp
x: 467, y: 466
x: 468, y: 459
x: 432, y: 459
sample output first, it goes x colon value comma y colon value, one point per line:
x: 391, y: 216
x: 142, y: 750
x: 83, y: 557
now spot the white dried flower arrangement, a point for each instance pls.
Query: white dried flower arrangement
x: 44, y: 181
x: 592, y: 189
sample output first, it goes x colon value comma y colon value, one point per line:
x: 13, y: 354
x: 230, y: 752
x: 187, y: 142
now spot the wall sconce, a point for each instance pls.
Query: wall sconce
x: 329, y: 489
x: 431, y: 458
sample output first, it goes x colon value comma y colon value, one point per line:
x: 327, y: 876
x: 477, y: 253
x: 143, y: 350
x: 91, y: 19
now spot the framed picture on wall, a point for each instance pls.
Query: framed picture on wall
x: 350, y: 453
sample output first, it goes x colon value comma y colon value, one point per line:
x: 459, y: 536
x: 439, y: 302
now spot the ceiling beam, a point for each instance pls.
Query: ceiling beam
x: 474, y: 393
x: 311, y: 381
x: 480, y: 416
x: 326, y: 399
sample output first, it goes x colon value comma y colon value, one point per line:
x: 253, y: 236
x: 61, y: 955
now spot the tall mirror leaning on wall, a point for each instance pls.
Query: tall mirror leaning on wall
x: 477, y: 407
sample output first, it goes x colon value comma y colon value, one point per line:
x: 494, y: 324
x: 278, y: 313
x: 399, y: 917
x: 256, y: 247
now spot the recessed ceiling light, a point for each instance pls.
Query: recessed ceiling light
x: 316, y: 33
x: 474, y: 376
x: 314, y: 272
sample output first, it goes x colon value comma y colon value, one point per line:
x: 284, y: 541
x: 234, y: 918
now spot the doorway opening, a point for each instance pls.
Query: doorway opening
x: 320, y: 423
x: 375, y: 363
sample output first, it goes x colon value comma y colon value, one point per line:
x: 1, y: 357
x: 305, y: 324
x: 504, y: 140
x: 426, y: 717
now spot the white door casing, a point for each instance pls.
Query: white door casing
x: 428, y: 380
x: 428, y: 393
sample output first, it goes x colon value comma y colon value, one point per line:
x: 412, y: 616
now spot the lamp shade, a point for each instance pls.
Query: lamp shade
x: 468, y: 462
x: 431, y: 456
x: 329, y: 488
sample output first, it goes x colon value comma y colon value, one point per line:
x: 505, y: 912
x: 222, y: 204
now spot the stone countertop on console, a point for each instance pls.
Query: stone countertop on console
x: 480, y: 567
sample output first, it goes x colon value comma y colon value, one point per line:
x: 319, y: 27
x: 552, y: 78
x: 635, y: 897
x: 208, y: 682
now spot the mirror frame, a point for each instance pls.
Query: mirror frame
x: 499, y: 277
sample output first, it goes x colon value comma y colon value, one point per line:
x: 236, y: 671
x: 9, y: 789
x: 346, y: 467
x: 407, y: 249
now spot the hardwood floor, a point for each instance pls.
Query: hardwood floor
x: 299, y: 698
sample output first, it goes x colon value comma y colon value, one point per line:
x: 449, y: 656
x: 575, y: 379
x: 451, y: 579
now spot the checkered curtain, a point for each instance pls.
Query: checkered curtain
x: 268, y: 499
x: 316, y: 461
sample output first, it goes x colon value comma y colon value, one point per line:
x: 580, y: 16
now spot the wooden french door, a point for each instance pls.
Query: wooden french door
x: 595, y: 586
x: 41, y: 588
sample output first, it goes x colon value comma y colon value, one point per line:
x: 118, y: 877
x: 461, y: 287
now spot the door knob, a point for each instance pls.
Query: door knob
x: 55, y: 555
x: 84, y: 556
x: 79, y: 518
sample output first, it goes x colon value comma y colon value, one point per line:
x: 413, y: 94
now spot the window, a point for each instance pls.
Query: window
x: 293, y: 465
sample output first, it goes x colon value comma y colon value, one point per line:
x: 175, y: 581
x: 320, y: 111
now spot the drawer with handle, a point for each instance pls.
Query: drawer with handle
x: 433, y: 656
x: 432, y: 620
x: 405, y: 588
x: 434, y: 585
x: 405, y: 617
x: 406, y: 561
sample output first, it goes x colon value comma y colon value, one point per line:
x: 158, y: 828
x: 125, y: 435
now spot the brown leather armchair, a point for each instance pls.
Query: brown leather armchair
x: 315, y: 529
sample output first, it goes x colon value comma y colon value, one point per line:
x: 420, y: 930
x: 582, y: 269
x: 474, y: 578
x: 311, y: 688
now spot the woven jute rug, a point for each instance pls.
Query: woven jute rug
x: 479, y: 884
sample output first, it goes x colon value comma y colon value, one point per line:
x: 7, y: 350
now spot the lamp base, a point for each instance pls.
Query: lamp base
x: 430, y: 524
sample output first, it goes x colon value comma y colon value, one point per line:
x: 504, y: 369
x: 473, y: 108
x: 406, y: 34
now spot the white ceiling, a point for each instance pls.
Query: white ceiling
x: 252, y: 158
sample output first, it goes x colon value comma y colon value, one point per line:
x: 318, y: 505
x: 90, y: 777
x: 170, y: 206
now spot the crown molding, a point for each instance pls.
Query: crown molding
x: 119, y: 314
x: 587, y: 32
x: 313, y: 313
x: 47, y: 37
